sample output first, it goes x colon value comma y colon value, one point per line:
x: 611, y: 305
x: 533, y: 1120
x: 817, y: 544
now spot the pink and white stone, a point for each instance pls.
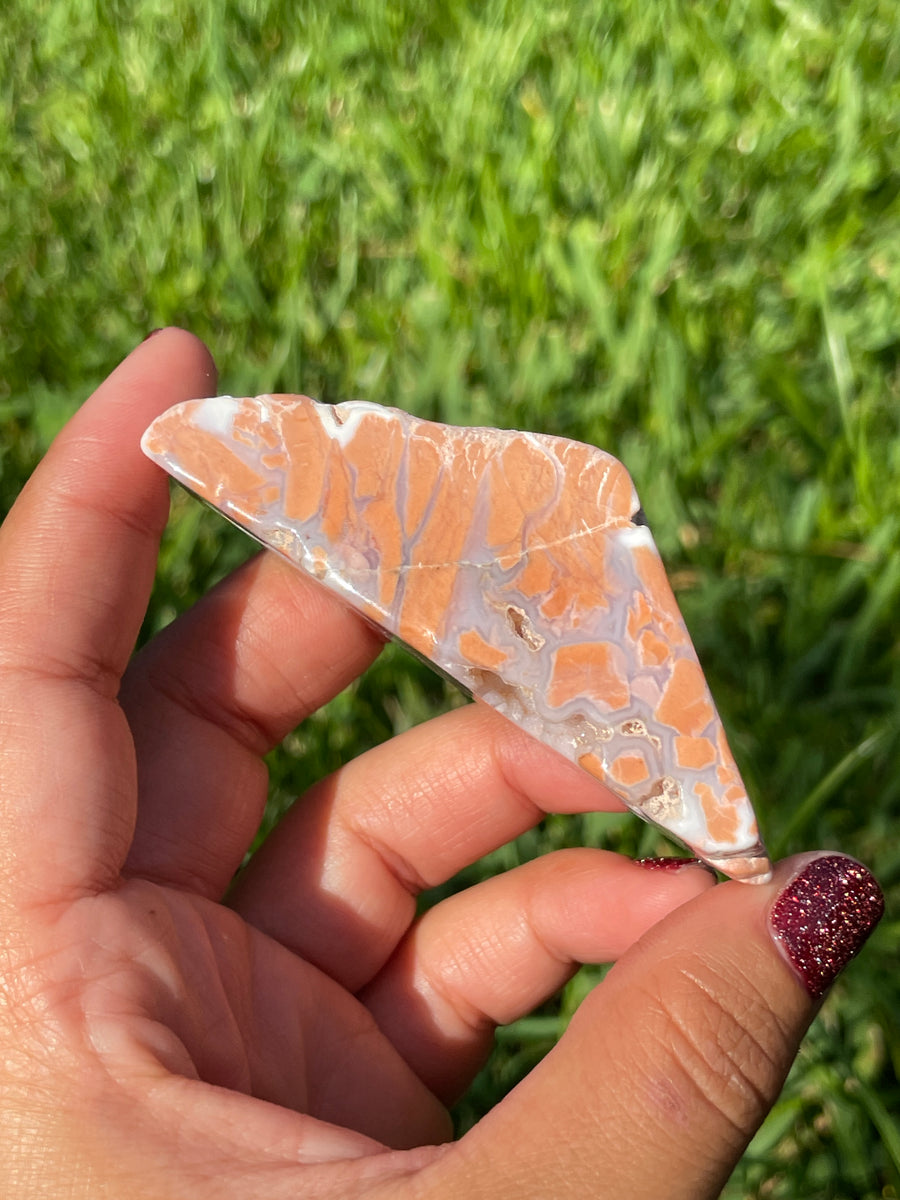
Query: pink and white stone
x: 517, y: 563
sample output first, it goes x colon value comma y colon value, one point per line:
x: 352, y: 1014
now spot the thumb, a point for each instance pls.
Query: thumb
x: 671, y: 1064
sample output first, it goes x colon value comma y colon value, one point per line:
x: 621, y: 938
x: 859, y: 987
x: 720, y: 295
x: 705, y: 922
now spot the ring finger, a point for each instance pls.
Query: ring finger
x: 492, y: 953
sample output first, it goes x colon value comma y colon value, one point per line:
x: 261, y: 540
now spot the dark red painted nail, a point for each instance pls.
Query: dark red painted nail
x: 670, y: 863
x: 823, y: 917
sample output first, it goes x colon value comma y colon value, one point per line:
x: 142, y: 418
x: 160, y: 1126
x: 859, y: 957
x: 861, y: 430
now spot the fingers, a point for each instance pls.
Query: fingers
x: 491, y: 954
x: 78, y: 552
x: 671, y: 1064
x: 209, y: 696
x: 79, y: 547
x: 337, y: 880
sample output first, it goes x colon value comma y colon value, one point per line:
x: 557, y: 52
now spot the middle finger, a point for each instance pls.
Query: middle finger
x: 337, y: 880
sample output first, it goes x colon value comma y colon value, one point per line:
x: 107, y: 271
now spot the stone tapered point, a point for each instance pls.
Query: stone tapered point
x: 519, y: 564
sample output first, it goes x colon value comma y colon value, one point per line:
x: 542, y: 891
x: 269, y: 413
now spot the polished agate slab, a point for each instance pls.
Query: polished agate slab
x: 517, y: 563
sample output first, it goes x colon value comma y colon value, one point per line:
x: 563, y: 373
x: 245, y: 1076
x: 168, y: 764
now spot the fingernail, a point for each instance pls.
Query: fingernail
x: 824, y: 916
x: 152, y: 333
x: 672, y: 863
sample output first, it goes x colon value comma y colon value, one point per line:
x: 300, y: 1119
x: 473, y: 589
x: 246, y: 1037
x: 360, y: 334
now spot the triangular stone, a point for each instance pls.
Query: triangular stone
x: 517, y: 563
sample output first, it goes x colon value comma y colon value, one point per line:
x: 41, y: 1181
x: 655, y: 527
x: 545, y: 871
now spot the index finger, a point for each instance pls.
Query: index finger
x: 78, y: 552
x: 79, y: 546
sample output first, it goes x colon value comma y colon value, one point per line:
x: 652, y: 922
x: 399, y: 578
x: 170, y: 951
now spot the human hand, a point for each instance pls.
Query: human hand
x: 304, y: 1037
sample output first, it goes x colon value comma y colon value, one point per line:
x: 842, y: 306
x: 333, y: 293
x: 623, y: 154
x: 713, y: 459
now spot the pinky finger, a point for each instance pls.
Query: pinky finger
x: 489, y: 955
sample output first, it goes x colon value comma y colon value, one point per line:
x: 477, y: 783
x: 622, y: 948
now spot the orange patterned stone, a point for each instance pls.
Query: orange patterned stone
x: 518, y: 563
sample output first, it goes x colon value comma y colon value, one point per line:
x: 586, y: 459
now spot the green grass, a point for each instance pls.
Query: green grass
x: 671, y: 230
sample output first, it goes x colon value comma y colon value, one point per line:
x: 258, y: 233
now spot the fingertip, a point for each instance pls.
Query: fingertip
x: 825, y: 908
x: 172, y: 343
x: 538, y: 771
x: 666, y: 883
x: 674, y: 864
x: 593, y: 905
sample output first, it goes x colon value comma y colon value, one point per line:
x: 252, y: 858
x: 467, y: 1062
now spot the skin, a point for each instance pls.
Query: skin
x: 299, y: 1034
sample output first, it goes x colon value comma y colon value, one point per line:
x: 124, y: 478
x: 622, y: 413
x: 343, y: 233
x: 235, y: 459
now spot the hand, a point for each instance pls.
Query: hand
x: 301, y: 1034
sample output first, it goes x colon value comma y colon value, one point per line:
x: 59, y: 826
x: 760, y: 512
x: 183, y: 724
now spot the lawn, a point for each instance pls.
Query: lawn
x: 669, y: 230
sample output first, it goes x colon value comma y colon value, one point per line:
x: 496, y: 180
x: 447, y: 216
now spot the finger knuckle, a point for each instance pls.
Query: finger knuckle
x: 726, y: 1043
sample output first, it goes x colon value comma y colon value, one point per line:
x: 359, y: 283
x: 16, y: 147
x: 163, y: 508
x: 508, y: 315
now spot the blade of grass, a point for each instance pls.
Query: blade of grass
x: 806, y: 812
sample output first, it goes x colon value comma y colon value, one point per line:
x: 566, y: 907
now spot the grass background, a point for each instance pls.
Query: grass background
x: 672, y: 230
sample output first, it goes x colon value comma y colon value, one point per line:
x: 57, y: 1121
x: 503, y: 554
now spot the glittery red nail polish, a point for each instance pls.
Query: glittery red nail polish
x: 671, y: 863
x: 823, y: 917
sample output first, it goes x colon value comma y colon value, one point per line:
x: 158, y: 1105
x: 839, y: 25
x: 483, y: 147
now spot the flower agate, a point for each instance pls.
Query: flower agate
x: 518, y: 564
